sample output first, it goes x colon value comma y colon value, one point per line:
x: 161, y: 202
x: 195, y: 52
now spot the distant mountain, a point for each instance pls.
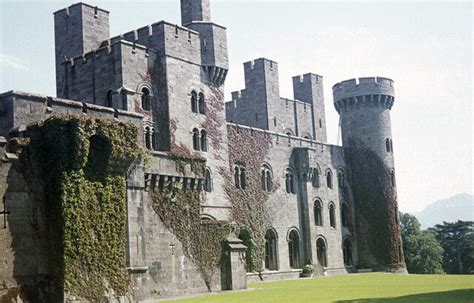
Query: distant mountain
x: 459, y: 207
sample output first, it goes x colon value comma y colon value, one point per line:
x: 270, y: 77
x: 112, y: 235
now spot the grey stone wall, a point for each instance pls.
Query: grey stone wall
x: 195, y: 10
x: 79, y: 29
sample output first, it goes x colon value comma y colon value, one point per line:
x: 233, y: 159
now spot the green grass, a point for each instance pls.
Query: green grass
x: 361, y: 288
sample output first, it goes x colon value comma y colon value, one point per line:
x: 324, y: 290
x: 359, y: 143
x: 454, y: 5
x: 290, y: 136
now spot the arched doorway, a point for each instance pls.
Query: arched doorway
x: 321, y: 252
x: 271, y: 252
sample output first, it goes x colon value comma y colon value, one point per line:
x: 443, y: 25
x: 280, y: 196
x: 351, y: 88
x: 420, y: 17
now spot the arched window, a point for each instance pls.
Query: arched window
x: 321, y: 252
x: 153, y: 139
x: 271, y: 260
x: 203, y: 140
x: 391, y: 145
x: 124, y: 100
x: 344, y: 215
x: 294, y: 249
x: 146, y: 99
x: 202, y: 106
x: 147, y: 138
x: 290, y: 182
x: 208, y: 181
x: 109, y: 99
x: 266, y: 178
x: 196, y: 139
x: 341, y: 178
x: 240, y: 177
x: 392, y: 177
x: 347, y: 251
x: 318, y: 212
x: 329, y: 178
x: 315, y: 177
x: 245, y: 236
x: 332, y: 215
x: 194, y: 106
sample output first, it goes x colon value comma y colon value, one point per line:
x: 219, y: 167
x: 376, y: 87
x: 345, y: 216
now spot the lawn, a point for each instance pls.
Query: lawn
x: 361, y: 288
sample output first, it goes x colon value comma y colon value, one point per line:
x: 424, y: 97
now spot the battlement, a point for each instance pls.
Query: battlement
x: 308, y: 77
x: 259, y: 63
x: 284, y: 139
x: 108, y: 49
x: 362, y: 87
x: 76, y: 6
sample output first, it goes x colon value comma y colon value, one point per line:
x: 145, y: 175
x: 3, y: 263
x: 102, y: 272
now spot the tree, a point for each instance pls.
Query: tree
x: 423, y: 253
x: 457, y: 240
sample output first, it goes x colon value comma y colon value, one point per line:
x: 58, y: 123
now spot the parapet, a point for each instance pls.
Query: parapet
x: 75, y: 6
x: 259, y: 63
x: 363, y: 87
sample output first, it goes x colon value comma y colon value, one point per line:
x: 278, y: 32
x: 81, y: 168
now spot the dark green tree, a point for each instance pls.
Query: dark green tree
x: 423, y: 253
x: 457, y: 240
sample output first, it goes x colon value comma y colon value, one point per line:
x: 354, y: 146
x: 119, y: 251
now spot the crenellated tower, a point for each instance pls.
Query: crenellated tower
x: 196, y: 15
x: 364, y: 106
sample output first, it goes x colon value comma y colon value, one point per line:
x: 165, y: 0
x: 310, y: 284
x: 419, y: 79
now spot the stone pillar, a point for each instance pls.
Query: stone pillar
x: 233, y: 273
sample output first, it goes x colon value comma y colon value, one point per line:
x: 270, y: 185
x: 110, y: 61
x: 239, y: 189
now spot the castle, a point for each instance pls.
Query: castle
x: 270, y: 191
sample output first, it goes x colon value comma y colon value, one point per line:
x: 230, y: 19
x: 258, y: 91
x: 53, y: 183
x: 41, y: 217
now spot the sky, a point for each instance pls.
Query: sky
x: 425, y: 47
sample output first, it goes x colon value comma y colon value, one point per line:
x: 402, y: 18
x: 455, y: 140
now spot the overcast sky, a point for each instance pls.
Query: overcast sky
x: 426, y: 47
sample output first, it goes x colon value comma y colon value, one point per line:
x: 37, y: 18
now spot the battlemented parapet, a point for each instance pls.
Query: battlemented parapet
x: 260, y: 105
x: 370, y: 91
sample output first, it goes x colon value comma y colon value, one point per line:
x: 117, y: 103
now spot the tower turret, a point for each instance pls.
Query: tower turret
x: 364, y: 106
x: 196, y: 15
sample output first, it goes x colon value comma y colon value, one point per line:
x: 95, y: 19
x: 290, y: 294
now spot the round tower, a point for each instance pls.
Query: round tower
x: 364, y: 106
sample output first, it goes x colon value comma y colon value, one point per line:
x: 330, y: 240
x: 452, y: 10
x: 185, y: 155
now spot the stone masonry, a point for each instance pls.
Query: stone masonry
x: 167, y: 79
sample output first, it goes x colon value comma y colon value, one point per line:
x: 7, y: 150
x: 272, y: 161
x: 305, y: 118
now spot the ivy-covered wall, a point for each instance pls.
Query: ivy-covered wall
x: 76, y: 166
x: 376, y: 209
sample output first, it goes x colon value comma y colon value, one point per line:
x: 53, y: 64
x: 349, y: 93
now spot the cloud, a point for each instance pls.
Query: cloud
x: 7, y: 61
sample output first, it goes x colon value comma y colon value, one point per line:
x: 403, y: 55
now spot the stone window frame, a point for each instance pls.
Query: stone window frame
x: 315, y: 176
x: 341, y: 177
x: 290, y: 180
x: 271, y: 261
x: 208, y: 184
x: 240, y: 175
x: 318, y: 205
x: 325, y: 256
x: 266, y: 177
x: 332, y: 214
x: 194, y: 101
x: 296, y: 249
x: 345, y: 216
x: 329, y: 178
x: 344, y: 252
x: 393, y: 180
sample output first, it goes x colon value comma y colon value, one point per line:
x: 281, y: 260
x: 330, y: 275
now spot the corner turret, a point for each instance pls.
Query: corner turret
x: 364, y: 107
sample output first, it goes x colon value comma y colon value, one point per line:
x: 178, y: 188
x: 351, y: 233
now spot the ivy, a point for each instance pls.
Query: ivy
x: 179, y: 210
x: 248, y: 205
x: 376, y: 209
x: 76, y: 166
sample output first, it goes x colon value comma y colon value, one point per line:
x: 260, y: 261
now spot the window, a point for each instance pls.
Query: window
x: 347, y: 251
x: 240, y: 177
x: 266, y: 178
x: 196, y: 139
x: 153, y: 139
x: 320, y: 123
x: 290, y: 182
x: 146, y: 99
x: 329, y: 178
x: 124, y: 100
x: 392, y: 177
x: 321, y: 252
x: 147, y: 138
x: 208, y: 181
x: 271, y: 261
x: 274, y: 121
x: 244, y: 235
x: 294, y: 249
x: 344, y: 215
x: 387, y: 144
x: 194, y: 106
x: 318, y: 213
x: 203, y: 141
x: 341, y: 178
x: 202, y: 105
x: 315, y: 177
x: 109, y: 99
x: 332, y: 215
x: 391, y: 145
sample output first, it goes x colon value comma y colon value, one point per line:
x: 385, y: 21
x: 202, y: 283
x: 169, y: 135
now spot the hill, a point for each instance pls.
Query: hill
x: 459, y: 207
